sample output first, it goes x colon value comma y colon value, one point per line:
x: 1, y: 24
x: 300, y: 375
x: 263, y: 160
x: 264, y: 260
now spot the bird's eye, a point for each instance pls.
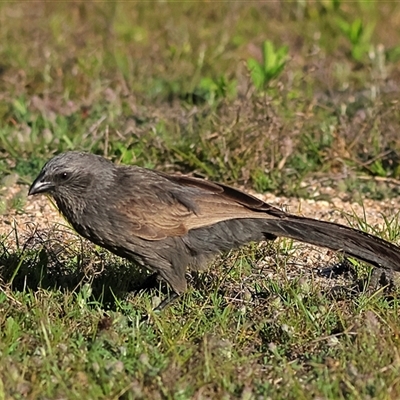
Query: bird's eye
x: 63, y: 176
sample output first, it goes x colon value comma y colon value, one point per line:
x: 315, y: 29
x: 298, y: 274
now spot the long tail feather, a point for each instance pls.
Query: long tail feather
x: 352, y: 242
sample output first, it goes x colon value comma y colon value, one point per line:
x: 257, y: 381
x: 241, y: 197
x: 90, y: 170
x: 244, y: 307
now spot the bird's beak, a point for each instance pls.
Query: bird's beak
x: 40, y: 185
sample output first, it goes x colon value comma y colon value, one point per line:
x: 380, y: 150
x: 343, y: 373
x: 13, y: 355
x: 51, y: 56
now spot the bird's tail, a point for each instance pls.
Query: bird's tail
x: 352, y: 242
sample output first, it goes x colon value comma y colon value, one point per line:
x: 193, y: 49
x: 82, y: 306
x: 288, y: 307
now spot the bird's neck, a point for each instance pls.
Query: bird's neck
x: 71, y: 210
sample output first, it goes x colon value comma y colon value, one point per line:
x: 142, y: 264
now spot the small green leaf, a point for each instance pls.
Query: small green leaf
x: 257, y: 73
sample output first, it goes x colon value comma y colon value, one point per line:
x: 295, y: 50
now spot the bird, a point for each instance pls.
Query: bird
x: 169, y: 223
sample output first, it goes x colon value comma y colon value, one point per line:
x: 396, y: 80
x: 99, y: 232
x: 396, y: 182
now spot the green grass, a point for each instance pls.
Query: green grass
x: 234, y: 334
x: 167, y: 86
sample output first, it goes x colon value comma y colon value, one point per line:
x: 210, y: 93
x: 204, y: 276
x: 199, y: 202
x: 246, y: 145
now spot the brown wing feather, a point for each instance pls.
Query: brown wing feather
x: 156, y: 221
x: 184, y: 203
x: 227, y: 192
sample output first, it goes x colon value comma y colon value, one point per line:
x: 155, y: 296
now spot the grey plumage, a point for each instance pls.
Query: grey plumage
x: 168, y: 222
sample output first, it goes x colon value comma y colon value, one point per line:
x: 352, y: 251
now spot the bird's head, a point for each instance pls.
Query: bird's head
x: 71, y: 174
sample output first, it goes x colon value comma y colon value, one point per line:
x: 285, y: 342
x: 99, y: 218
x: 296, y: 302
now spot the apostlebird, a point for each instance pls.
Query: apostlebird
x: 168, y: 223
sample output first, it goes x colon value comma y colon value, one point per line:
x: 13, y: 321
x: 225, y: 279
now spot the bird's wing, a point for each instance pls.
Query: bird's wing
x: 227, y: 192
x: 171, y: 205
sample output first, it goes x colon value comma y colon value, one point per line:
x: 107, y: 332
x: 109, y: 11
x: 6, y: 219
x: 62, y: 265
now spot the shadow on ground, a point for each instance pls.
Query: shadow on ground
x: 58, y: 259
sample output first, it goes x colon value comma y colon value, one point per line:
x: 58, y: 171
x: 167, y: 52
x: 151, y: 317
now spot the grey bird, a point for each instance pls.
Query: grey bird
x: 168, y: 223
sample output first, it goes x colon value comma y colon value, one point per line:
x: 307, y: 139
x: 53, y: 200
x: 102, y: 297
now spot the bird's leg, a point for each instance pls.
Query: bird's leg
x: 167, y: 301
